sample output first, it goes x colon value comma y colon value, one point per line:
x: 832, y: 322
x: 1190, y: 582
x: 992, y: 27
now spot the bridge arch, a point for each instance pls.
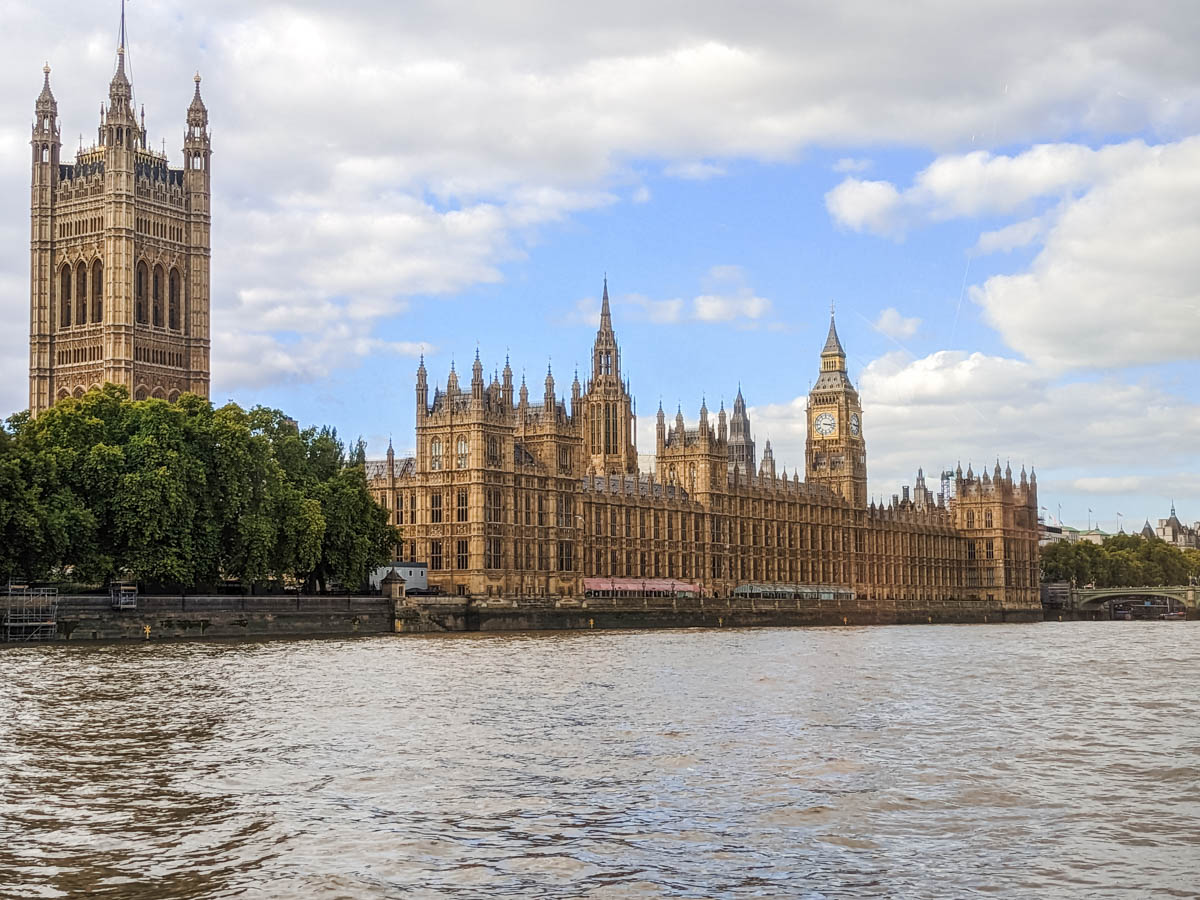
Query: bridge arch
x: 1096, y: 597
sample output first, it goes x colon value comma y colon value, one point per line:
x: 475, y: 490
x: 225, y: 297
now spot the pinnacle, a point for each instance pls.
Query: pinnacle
x: 833, y: 343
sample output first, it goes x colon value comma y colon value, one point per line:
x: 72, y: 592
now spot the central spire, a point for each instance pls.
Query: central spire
x: 605, y: 312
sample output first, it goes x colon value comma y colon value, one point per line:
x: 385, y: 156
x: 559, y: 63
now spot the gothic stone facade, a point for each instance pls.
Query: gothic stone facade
x: 119, y: 256
x: 517, y: 499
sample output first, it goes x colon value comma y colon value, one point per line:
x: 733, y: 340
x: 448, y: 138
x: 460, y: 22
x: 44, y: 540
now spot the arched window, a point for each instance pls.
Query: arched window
x: 435, y: 454
x: 64, y: 297
x: 173, y: 301
x: 970, y: 518
x: 987, y: 519
x: 81, y: 286
x: 461, y: 452
x: 97, y: 291
x: 141, y: 306
x: 158, y: 317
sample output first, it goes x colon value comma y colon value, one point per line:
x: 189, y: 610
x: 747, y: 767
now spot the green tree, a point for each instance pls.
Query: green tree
x: 181, y: 494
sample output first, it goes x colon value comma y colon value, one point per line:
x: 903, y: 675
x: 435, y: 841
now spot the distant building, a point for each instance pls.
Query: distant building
x: 1052, y: 534
x: 1174, y: 532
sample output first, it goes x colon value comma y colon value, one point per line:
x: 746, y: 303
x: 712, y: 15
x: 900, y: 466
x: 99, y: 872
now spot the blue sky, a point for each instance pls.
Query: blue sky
x: 1006, y: 223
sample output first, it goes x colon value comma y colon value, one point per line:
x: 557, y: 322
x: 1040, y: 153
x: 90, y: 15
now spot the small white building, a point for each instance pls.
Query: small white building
x: 415, y: 575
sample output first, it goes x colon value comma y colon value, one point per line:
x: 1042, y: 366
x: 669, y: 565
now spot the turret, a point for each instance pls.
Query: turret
x: 506, y: 392
x: 767, y: 468
x: 46, y: 140
x: 197, y: 143
x: 576, y: 394
x: 660, y: 428
x: 524, y: 393
x: 722, y: 427
x: 477, y: 380
x: 703, y: 420
x: 422, y: 391
x: 452, y: 382
x: 548, y: 399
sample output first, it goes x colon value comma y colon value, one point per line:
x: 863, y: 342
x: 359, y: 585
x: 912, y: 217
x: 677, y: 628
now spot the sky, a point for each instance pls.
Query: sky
x: 1000, y: 200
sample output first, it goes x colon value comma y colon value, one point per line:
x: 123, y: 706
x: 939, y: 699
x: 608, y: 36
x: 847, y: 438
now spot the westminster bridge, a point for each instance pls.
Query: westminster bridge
x: 1065, y: 600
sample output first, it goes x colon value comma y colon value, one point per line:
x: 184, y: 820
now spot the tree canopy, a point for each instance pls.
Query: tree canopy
x: 1123, y: 560
x: 183, y: 494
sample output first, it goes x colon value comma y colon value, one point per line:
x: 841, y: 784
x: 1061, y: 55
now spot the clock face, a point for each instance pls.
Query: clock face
x: 825, y: 423
x: 854, y: 423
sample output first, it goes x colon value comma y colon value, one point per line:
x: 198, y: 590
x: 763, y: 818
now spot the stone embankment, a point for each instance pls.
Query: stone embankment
x: 155, y: 618
x: 207, y: 617
x: 541, y: 614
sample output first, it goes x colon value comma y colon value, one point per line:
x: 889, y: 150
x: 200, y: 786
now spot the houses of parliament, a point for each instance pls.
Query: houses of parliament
x: 515, y: 497
x: 510, y: 496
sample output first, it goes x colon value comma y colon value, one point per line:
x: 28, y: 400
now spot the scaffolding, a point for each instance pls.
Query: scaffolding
x: 123, y: 595
x: 30, y: 614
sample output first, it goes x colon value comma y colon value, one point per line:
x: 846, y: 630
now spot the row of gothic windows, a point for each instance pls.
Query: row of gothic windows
x: 987, y: 518
x: 74, y: 298
x: 435, y: 453
x: 149, y: 289
x: 79, y: 226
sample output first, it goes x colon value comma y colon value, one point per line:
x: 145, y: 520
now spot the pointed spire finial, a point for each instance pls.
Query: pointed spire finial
x: 833, y: 344
x: 605, y: 312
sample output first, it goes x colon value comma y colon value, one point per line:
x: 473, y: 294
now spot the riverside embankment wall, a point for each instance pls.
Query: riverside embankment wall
x: 201, y: 617
x: 156, y: 618
x: 539, y: 614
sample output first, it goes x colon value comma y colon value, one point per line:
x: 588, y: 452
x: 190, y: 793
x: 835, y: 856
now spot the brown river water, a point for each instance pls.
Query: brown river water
x: 1055, y: 760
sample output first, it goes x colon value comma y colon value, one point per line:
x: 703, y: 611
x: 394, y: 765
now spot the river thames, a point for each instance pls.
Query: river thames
x: 1056, y: 760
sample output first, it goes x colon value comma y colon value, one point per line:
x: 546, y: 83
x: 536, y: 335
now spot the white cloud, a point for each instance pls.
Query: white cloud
x: 974, y: 184
x: 850, y: 164
x: 661, y: 312
x: 641, y: 194
x: 1117, y: 281
x: 872, y: 206
x: 1010, y: 237
x: 894, y: 325
x: 255, y: 359
x: 718, y: 308
x: 727, y: 297
x: 693, y: 171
